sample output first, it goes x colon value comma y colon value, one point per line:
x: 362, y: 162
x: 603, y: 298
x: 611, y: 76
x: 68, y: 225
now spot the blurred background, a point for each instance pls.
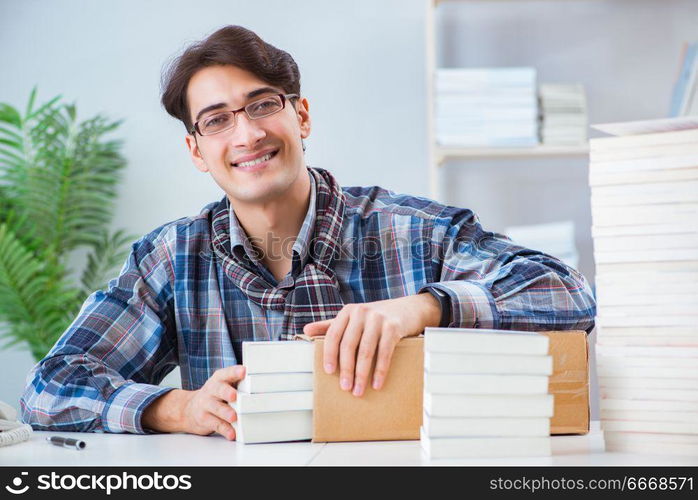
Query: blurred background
x: 364, y: 66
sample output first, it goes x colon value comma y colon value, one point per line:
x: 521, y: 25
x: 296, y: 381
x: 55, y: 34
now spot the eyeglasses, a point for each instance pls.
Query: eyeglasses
x: 220, y: 122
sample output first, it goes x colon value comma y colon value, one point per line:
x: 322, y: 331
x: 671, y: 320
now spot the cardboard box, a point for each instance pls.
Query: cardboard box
x: 395, y: 412
x: 569, y: 382
x: 392, y: 413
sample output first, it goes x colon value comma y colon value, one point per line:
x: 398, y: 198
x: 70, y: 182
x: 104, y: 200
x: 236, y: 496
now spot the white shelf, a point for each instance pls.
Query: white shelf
x: 444, y: 153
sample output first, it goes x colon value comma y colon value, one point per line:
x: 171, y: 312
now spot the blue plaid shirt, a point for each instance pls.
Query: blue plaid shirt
x: 172, y: 304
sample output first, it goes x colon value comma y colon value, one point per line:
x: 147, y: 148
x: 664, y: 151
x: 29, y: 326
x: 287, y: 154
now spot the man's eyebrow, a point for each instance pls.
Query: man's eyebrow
x: 263, y: 90
x: 250, y: 95
x: 212, y: 107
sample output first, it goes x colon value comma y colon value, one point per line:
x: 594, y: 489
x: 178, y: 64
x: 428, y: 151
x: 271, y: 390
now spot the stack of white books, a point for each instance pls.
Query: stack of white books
x: 486, y: 107
x: 564, y: 114
x: 644, y: 183
x: 275, y: 399
x: 554, y: 238
x: 486, y: 393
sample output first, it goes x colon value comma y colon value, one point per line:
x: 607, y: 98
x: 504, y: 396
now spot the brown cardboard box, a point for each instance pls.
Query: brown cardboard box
x: 395, y: 412
x: 569, y: 382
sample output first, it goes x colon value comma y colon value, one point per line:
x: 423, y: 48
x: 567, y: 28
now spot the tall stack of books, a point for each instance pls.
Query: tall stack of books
x: 486, y: 393
x: 644, y: 184
x: 275, y: 399
x: 486, y: 107
x: 564, y: 114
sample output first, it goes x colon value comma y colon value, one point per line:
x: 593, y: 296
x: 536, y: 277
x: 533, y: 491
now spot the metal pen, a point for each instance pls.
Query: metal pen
x: 67, y: 442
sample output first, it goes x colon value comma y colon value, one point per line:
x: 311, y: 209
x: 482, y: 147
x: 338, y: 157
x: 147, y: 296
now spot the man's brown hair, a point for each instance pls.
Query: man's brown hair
x: 230, y: 45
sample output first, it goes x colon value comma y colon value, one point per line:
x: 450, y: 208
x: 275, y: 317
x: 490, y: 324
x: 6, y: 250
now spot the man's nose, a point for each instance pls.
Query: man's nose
x: 247, y: 133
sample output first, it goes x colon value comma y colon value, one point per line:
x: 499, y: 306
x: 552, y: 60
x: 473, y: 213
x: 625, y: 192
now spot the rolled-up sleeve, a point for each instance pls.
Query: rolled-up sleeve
x: 494, y: 283
x: 104, y: 370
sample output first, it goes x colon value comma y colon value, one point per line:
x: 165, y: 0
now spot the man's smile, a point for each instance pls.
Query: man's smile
x: 255, y: 159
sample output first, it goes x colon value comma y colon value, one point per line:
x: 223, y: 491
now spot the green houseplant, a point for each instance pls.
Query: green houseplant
x: 58, y: 179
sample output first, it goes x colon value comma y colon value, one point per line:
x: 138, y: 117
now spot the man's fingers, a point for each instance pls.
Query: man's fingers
x: 219, y: 426
x: 317, y: 327
x: 333, y: 336
x: 347, y: 349
x: 225, y: 391
x: 366, y: 353
x: 386, y: 347
x: 230, y: 374
x: 221, y: 410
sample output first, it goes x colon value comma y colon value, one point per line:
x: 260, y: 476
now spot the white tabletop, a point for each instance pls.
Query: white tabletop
x: 181, y: 449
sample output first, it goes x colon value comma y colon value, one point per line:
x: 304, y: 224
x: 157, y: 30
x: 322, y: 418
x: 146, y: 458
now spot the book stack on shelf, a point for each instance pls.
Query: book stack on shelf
x: 684, y: 99
x: 486, y: 107
x: 486, y: 394
x: 275, y: 399
x: 564, y: 114
x: 644, y: 184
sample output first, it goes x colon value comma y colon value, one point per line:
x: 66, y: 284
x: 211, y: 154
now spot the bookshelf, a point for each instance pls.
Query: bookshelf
x: 437, y: 154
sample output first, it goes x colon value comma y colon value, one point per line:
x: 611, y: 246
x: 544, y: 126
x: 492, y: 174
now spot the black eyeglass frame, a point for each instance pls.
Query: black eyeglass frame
x: 284, y: 98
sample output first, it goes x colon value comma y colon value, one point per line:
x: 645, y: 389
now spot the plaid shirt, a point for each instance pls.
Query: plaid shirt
x: 172, y: 304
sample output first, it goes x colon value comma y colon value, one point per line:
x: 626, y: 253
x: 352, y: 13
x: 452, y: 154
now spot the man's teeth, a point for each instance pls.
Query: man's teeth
x: 261, y: 159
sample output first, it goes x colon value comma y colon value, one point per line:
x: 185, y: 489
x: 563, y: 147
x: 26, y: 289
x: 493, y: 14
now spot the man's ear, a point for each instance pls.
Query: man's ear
x: 195, y: 153
x: 303, y: 112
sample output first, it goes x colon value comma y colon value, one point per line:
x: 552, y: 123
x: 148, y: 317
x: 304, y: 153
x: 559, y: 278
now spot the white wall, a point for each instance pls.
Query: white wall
x: 362, y: 64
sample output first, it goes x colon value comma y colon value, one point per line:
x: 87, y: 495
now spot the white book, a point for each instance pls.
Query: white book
x: 650, y: 426
x: 650, y: 242
x: 662, y: 341
x: 652, y: 331
x: 274, y: 427
x: 668, y: 229
x: 633, y: 283
x: 484, y: 447
x: 671, y: 191
x: 649, y: 362
x: 649, y: 310
x: 278, y: 356
x: 467, y: 383
x: 659, y: 320
x: 633, y: 405
x: 650, y: 415
x: 651, y: 151
x: 449, y: 362
x: 649, y: 394
x: 644, y: 164
x: 634, y: 442
x: 273, y: 401
x: 686, y: 136
x: 663, y: 214
x: 485, y: 427
x: 654, y: 352
x: 597, y: 178
x: 655, y: 126
x: 468, y: 405
x: 606, y: 299
x: 482, y: 341
x: 684, y: 266
x: 276, y: 382
x: 647, y: 383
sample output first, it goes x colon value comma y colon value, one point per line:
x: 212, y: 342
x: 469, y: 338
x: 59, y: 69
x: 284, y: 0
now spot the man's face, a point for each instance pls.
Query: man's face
x: 224, y: 155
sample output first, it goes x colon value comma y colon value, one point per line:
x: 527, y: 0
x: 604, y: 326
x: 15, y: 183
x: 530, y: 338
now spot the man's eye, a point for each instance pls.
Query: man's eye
x: 265, y: 106
x: 216, y: 120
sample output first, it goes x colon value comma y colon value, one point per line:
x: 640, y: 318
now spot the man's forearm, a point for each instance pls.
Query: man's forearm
x: 166, y: 413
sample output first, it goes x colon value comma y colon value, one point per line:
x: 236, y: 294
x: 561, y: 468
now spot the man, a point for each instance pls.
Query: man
x: 286, y: 251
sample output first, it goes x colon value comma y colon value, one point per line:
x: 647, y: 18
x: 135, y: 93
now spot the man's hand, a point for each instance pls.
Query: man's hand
x: 199, y: 412
x: 362, y: 331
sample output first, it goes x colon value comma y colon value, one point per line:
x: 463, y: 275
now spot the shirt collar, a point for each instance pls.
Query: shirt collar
x: 240, y: 244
